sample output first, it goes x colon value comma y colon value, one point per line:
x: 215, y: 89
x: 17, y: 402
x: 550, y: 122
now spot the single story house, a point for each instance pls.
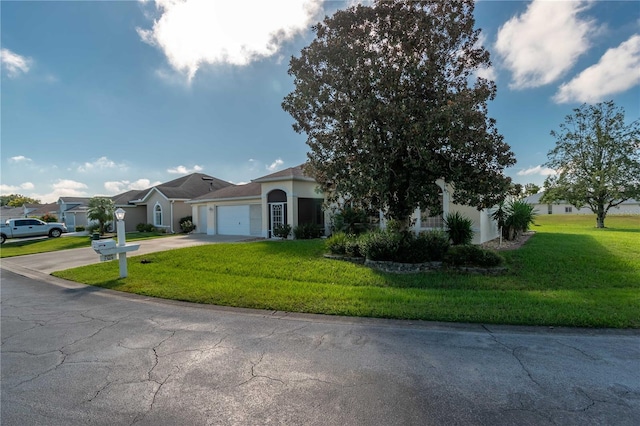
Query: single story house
x: 254, y: 209
x: 73, y: 211
x: 291, y: 197
x: 164, y: 205
x: 562, y: 207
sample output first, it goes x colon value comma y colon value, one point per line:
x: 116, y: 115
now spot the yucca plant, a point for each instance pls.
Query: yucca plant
x: 459, y: 228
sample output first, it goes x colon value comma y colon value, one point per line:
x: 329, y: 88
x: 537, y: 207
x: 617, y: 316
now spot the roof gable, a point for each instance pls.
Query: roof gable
x: 292, y: 173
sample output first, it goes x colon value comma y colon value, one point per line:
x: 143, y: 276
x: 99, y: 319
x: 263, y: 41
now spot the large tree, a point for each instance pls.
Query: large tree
x: 597, y: 157
x: 101, y: 209
x: 17, y: 200
x: 390, y: 101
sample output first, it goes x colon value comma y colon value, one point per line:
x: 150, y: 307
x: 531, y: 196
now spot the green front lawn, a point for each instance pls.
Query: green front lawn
x: 568, y: 274
x: 21, y: 247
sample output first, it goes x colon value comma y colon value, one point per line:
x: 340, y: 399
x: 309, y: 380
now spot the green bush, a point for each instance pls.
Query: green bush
x: 336, y: 243
x: 432, y: 245
x: 282, y: 231
x: 382, y: 245
x: 307, y: 231
x: 514, y: 218
x: 470, y: 255
x: 459, y: 228
x: 351, y: 221
x: 93, y: 227
x: 352, y: 246
x: 80, y: 228
x: 49, y: 218
x: 186, y: 224
x: 145, y: 227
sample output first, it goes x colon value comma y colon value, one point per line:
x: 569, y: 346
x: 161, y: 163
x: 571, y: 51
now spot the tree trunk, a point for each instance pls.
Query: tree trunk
x: 600, y: 217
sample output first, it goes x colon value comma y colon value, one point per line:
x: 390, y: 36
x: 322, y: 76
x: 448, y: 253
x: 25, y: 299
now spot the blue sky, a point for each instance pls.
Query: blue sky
x: 100, y: 97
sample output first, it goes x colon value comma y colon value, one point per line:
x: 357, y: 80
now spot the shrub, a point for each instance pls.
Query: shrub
x: 382, y: 245
x: 336, y: 243
x: 351, y: 221
x: 352, y: 246
x: 80, y: 228
x: 307, y: 231
x: 49, y: 218
x: 145, y: 227
x: 459, y: 228
x: 282, y: 231
x: 186, y: 224
x: 514, y: 218
x: 93, y: 228
x: 470, y: 255
x: 432, y: 245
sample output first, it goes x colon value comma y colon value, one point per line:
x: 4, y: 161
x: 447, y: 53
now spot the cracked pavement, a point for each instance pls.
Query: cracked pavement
x: 76, y: 355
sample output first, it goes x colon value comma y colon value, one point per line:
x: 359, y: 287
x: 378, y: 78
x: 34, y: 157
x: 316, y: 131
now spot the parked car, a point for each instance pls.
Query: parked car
x: 23, y: 228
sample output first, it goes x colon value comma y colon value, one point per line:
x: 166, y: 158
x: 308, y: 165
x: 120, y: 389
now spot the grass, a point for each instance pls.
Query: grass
x: 567, y: 274
x: 33, y: 246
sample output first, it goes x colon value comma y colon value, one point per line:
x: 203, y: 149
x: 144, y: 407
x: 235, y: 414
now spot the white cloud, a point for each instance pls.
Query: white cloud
x: 617, y: 71
x: 182, y: 170
x: 101, y: 163
x: 19, y: 159
x: 12, y: 189
x: 117, y: 187
x: 542, y: 44
x: 275, y: 166
x: 14, y: 63
x: 63, y: 188
x: 537, y: 170
x: 195, y: 32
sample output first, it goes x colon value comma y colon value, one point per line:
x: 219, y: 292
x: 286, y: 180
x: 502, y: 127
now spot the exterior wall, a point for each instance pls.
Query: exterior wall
x: 180, y: 210
x: 158, y: 199
x: 133, y: 216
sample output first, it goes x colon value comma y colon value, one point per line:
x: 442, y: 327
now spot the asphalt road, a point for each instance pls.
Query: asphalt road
x: 77, y: 355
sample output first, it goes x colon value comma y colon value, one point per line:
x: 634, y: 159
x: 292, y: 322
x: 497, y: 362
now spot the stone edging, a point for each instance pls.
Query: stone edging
x: 414, y: 268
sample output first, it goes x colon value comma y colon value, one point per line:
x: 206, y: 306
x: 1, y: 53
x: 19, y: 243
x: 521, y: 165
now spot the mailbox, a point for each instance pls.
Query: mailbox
x: 104, y: 247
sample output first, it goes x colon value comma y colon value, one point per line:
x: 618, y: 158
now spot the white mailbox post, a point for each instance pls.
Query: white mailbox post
x: 107, y: 249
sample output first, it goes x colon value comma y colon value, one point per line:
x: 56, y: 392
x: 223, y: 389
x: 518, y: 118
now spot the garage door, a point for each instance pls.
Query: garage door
x: 234, y: 220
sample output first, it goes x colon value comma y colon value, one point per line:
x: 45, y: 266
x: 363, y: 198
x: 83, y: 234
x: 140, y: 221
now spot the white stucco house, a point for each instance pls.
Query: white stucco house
x: 254, y: 209
x: 562, y: 207
x: 290, y: 196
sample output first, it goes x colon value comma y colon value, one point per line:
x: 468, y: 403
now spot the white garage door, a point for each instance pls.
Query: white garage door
x: 234, y: 220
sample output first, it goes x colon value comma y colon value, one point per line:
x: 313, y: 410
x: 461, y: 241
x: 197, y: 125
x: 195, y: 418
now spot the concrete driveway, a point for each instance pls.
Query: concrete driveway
x: 76, y: 355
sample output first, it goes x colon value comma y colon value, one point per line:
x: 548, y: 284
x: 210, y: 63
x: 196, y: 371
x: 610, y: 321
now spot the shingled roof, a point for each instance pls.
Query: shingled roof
x: 183, y: 188
x: 248, y: 190
x: 292, y: 173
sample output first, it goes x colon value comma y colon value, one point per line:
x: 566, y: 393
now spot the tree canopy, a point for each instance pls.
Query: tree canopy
x: 390, y: 100
x: 102, y: 210
x: 597, y: 157
x: 17, y: 200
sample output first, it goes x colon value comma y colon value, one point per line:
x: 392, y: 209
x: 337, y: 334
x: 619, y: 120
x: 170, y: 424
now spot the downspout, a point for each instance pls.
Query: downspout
x: 172, y: 201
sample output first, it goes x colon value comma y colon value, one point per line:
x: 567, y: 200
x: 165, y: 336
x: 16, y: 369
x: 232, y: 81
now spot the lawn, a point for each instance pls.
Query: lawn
x: 567, y: 274
x: 32, y: 246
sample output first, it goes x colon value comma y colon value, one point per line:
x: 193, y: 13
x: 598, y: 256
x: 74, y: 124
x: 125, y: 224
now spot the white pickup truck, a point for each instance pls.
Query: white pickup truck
x: 23, y: 228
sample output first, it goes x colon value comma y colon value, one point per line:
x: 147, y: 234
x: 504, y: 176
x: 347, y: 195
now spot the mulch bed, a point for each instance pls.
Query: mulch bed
x: 508, y: 245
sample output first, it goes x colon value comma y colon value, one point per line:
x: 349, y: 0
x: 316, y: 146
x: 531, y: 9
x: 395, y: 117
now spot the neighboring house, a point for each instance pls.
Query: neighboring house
x: 72, y: 211
x: 290, y: 196
x: 254, y: 209
x: 164, y: 205
x: 7, y: 212
x: 562, y: 207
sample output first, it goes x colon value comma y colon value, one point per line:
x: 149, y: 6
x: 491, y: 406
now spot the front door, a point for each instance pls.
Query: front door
x: 277, y: 216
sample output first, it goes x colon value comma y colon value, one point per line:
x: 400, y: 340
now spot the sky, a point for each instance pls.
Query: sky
x: 101, y: 97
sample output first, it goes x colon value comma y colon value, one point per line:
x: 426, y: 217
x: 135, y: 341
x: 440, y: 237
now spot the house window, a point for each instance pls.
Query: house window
x: 157, y: 215
x: 568, y: 209
x: 429, y: 221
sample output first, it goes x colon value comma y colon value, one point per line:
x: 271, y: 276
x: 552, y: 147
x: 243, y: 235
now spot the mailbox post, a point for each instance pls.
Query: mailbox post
x: 107, y: 249
x: 122, y: 255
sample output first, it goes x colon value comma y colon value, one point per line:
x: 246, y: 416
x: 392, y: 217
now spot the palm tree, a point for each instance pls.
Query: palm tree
x: 101, y: 209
